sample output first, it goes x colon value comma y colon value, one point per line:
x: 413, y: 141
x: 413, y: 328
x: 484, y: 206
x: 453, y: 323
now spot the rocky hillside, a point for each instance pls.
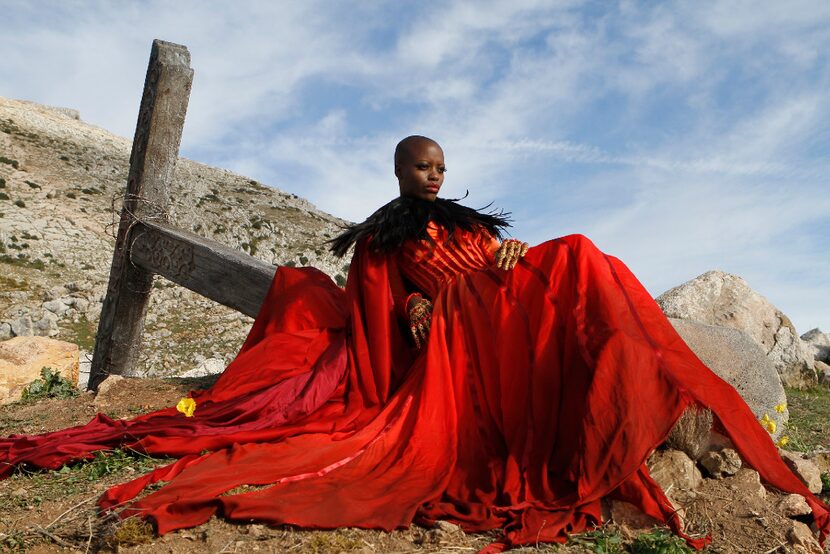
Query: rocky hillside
x: 61, y: 185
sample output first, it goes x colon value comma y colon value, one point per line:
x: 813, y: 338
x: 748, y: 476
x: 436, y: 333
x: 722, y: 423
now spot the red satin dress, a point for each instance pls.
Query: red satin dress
x: 540, y: 391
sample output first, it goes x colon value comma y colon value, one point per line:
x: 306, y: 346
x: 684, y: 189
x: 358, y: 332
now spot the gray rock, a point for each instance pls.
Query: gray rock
x: 80, y: 304
x: 211, y: 366
x: 54, y: 292
x: 739, y: 361
x: 721, y: 463
x: 47, y: 325
x: 84, y: 367
x: 805, y: 469
x: 5, y: 330
x: 722, y: 299
x: 22, y: 326
x: 55, y: 306
x: 823, y: 371
x: 819, y: 343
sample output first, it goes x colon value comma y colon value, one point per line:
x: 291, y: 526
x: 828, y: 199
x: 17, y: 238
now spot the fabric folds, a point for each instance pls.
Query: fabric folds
x: 541, y: 390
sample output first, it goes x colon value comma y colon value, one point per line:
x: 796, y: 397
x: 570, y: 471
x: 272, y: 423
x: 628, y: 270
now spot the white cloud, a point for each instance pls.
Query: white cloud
x: 680, y: 137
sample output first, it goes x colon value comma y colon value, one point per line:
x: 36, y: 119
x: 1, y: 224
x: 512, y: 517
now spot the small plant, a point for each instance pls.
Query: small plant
x: 32, y: 184
x: 2, y: 183
x: 601, y: 541
x: 51, y: 385
x: 71, y: 195
x: 14, y: 163
x: 825, y: 482
x: 4, y: 196
x: 659, y: 541
x: 20, y: 203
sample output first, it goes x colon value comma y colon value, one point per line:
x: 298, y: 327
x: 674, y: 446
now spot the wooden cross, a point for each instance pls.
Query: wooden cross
x: 147, y: 244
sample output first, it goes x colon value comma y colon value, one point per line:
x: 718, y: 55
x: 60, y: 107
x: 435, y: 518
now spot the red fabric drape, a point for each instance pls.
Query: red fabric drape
x: 540, y: 391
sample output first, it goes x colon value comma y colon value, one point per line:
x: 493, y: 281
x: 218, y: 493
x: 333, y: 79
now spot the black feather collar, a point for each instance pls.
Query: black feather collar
x: 407, y: 217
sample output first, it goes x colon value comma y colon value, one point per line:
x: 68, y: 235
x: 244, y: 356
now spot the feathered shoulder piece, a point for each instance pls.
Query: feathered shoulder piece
x: 407, y: 217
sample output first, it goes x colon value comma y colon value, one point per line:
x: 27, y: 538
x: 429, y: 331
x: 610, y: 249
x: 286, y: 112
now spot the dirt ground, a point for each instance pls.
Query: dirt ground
x: 55, y: 511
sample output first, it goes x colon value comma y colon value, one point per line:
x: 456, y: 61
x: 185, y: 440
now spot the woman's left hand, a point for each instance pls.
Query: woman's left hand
x: 508, y: 254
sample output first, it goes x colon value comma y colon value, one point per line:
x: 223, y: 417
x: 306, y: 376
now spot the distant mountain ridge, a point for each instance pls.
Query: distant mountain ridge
x: 61, y: 186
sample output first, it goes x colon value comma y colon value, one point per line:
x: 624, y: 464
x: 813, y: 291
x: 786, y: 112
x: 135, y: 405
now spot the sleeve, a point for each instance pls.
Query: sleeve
x: 401, y: 295
x: 489, y: 243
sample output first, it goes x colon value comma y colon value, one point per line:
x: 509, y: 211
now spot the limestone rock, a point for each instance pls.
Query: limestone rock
x: 675, y: 472
x: 746, y: 484
x: 56, y: 307
x: 721, y: 463
x: 821, y: 459
x: 22, y: 358
x: 818, y: 343
x: 211, y: 366
x: 23, y: 326
x: 793, y: 505
x: 739, y: 361
x: 722, y: 299
x: 801, y: 537
x: 823, y: 371
x: 805, y: 469
x: 47, y: 325
x: 102, y: 399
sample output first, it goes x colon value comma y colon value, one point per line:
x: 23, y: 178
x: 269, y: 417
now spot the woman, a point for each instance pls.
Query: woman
x: 456, y: 377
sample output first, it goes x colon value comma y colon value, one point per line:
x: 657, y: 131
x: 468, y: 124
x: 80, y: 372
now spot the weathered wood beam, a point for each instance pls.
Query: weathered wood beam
x: 152, y: 162
x: 205, y: 266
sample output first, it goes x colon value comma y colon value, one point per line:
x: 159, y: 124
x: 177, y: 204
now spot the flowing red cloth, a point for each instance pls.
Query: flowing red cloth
x: 541, y: 390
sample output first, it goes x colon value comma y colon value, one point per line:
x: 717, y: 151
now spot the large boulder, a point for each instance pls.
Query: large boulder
x: 725, y: 300
x: 22, y: 358
x: 738, y: 360
x: 818, y: 343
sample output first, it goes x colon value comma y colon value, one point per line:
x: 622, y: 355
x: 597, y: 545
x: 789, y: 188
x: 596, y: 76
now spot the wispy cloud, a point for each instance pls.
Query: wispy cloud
x: 680, y: 137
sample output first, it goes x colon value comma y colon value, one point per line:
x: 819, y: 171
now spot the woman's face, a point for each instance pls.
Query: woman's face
x: 421, y: 170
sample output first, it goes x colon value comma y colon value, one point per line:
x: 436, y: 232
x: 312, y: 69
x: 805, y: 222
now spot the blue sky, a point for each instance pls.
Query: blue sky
x: 679, y: 136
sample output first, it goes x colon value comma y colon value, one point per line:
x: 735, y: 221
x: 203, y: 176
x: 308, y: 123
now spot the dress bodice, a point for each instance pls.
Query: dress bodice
x: 430, y: 264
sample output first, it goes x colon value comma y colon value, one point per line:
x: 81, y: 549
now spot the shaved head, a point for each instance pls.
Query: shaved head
x: 404, y: 149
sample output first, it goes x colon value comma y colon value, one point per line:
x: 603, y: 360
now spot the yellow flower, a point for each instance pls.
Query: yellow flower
x: 781, y: 407
x: 782, y: 442
x: 186, y: 406
x: 768, y: 423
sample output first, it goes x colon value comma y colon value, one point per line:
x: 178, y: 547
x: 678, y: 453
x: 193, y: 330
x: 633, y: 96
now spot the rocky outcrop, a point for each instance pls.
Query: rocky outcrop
x: 806, y: 470
x: 725, y: 300
x: 61, y: 190
x: 22, y: 358
x: 818, y: 343
x: 739, y: 361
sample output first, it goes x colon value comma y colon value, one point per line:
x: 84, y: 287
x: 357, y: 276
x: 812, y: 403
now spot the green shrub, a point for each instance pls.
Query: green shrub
x: 4, y: 196
x: 2, y: 183
x: 20, y: 203
x: 659, y: 541
x: 14, y: 163
x: 50, y: 385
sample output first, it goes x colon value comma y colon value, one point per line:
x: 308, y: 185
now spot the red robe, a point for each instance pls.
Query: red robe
x: 541, y: 390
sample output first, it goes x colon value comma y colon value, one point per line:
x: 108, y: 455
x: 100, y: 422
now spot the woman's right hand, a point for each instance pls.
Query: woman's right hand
x: 420, y: 315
